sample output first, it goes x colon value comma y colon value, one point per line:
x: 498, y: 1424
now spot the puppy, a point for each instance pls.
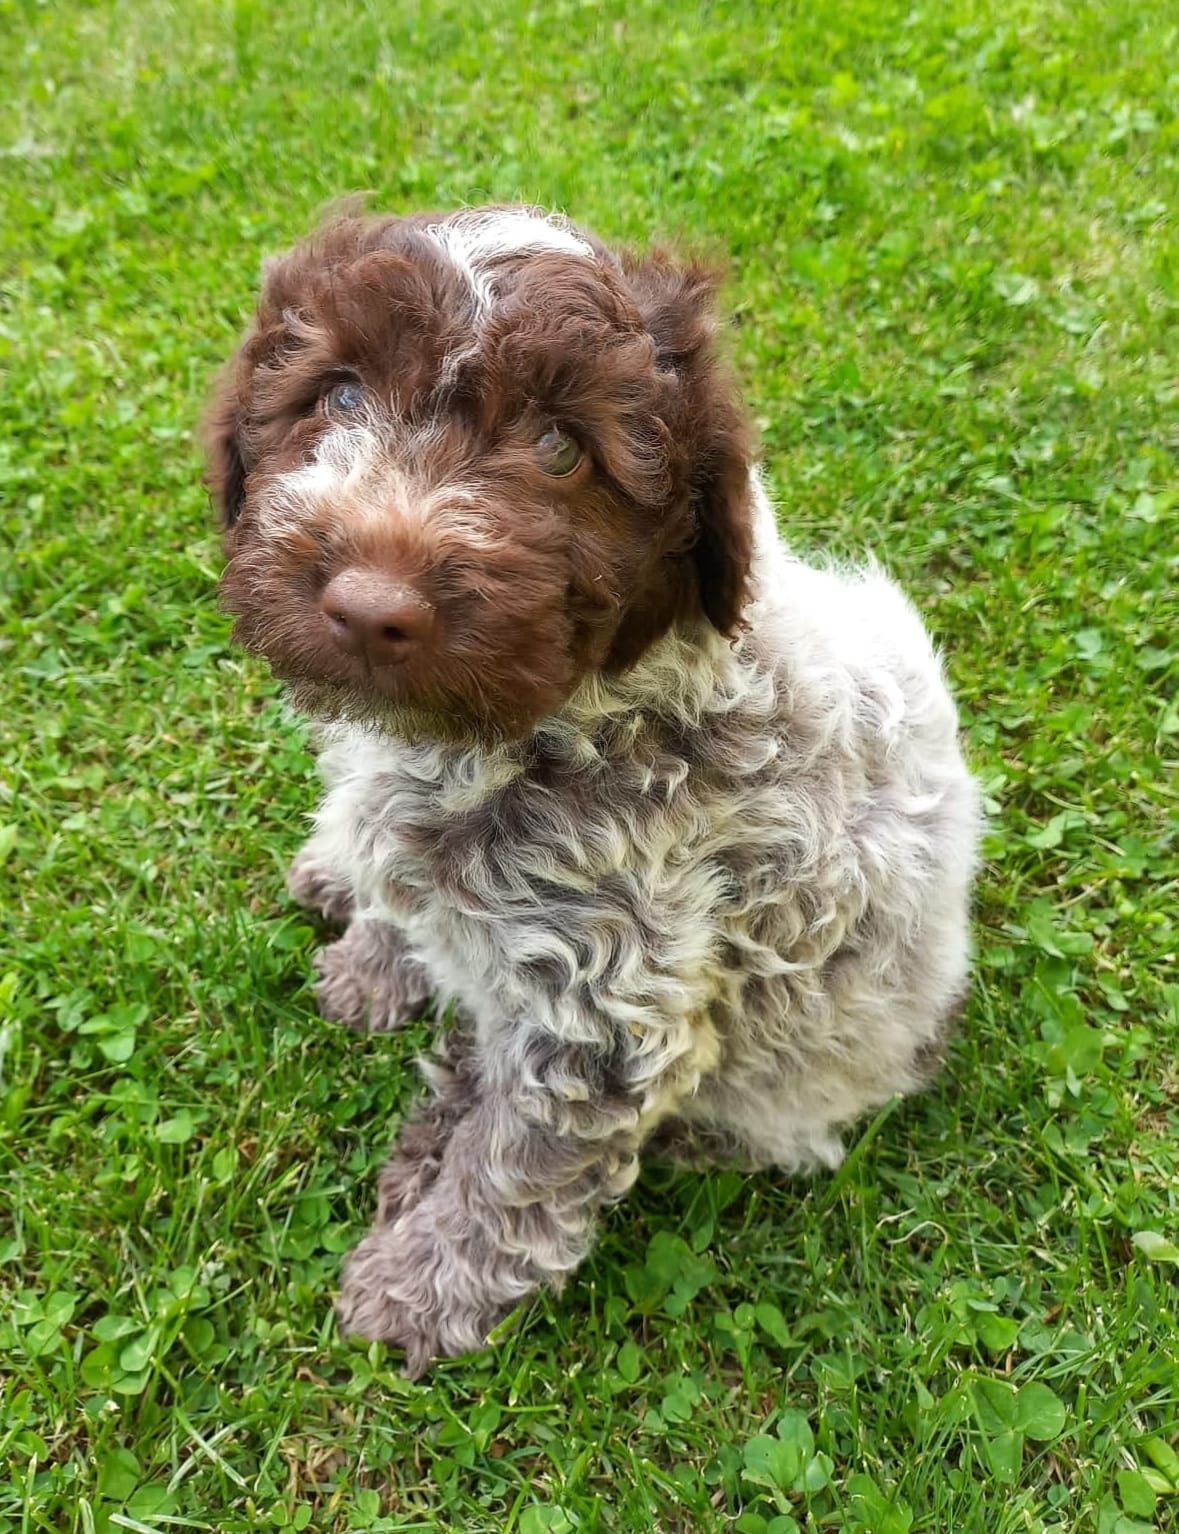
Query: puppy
x: 678, y: 822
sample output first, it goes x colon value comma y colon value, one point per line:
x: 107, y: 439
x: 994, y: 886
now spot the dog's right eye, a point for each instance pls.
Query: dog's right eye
x: 343, y: 399
x: 559, y: 454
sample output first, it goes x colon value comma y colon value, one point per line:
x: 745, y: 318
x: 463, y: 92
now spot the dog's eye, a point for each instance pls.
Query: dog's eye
x: 343, y: 399
x: 558, y: 454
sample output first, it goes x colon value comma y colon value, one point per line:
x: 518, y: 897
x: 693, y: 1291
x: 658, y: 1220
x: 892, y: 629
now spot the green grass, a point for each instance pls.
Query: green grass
x: 954, y: 280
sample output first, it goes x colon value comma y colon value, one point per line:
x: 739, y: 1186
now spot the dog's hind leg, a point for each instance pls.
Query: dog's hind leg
x: 369, y: 980
x: 317, y: 885
x: 695, y: 1147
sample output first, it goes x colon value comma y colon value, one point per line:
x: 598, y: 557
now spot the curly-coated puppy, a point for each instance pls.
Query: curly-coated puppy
x: 678, y: 822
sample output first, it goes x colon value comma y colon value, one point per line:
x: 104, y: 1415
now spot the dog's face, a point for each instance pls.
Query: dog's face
x: 463, y: 461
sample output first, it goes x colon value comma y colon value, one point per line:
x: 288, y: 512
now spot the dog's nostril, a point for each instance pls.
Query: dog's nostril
x: 393, y: 634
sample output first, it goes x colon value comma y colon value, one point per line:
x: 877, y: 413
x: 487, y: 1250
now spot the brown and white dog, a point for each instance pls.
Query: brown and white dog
x: 678, y: 822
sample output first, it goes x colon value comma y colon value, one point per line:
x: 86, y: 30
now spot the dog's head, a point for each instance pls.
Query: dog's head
x: 463, y: 461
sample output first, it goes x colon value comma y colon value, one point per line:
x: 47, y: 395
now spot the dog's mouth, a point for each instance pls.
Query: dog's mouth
x: 330, y: 685
x: 444, y: 700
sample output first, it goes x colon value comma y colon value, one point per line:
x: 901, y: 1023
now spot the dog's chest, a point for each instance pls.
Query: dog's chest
x: 636, y: 872
x: 490, y: 835
x: 519, y: 877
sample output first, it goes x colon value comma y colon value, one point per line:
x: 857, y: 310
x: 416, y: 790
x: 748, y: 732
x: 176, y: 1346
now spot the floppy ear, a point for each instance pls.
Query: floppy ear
x: 677, y: 305
x: 225, y: 465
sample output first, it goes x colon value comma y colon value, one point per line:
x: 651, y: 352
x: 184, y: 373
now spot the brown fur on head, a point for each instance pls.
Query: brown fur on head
x: 471, y: 356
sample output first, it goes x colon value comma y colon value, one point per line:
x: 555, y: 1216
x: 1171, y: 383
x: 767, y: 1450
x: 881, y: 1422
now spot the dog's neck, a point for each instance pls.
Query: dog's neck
x: 672, y: 677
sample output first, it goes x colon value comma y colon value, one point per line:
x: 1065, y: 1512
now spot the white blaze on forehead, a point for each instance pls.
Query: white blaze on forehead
x: 475, y: 240
x: 338, y: 473
x: 341, y: 459
x: 357, y: 480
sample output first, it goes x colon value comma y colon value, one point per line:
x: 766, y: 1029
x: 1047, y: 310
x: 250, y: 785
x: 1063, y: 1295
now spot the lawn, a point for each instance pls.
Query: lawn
x: 953, y: 260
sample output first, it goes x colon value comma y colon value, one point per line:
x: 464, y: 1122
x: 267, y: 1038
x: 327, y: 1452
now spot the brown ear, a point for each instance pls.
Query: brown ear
x: 225, y: 464
x: 677, y: 305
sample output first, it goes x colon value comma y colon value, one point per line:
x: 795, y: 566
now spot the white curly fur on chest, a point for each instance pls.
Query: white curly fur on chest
x: 559, y: 880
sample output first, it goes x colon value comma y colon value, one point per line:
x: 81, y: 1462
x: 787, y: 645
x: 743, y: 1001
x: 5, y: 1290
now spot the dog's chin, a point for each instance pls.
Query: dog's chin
x: 447, y: 721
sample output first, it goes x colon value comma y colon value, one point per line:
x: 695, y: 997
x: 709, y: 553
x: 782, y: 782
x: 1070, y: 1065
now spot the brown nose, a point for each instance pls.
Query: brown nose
x: 373, y: 614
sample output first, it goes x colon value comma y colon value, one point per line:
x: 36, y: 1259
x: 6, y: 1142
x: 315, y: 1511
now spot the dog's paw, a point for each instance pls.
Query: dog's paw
x: 340, y: 993
x: 367, y: 984
x: 387, y: 1295
x: 375, y: 1315
x: 312, y: 884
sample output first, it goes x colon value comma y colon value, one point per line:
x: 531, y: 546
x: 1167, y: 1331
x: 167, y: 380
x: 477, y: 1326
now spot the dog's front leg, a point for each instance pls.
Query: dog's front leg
x: 545, y: 1135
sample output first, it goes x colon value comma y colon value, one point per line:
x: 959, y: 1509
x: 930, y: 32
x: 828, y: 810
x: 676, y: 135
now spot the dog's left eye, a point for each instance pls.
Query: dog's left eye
x: 558, y: 454
x: 343, y: 399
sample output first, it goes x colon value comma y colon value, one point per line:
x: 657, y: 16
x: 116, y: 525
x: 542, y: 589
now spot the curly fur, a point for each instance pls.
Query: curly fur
x: 705, y: 895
